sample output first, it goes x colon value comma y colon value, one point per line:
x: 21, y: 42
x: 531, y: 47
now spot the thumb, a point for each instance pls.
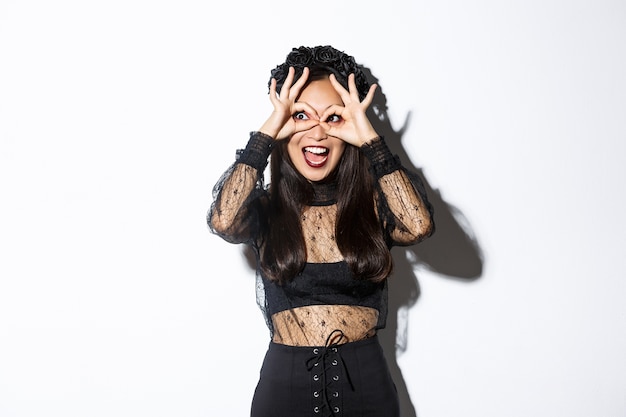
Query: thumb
x: 330, y: 130
x: 303, y: 125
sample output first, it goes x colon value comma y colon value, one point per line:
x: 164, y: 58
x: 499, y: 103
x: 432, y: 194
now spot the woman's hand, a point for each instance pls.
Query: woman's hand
x: 281, y: 124
x: 356, y: 128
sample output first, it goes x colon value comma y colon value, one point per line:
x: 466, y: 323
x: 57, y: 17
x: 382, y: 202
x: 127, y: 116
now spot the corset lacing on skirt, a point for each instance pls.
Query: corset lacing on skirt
x: 325, y: 367
x: 335, y: 379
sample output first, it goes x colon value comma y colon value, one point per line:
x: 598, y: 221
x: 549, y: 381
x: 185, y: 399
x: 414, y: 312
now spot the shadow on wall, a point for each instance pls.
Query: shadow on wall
x: 452, y: 251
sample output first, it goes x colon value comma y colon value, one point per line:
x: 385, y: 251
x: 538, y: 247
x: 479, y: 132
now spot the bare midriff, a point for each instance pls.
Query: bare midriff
x: 311, y: 325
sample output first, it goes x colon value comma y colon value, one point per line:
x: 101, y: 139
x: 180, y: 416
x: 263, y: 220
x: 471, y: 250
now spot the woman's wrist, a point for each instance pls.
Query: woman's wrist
x: 273, y: 125
x: 268, y: 130
x: 369, y: 137
x: 365, y: 131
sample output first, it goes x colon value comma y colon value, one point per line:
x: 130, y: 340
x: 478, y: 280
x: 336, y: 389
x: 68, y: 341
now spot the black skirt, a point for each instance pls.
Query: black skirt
x: 347, y: 380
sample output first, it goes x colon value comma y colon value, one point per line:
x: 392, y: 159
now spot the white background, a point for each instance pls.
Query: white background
x: 117, y: 117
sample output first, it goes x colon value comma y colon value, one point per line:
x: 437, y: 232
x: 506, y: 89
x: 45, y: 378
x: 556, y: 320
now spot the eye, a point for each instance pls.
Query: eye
x: 300, y: 116
x: 333, y: 119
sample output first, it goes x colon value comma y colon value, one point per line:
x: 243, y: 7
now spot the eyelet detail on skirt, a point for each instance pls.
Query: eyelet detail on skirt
x: 297, y: 394
x: 325, y: 383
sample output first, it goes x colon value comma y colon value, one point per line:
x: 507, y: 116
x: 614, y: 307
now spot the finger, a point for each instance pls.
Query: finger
x: 330, y: 130
x: 304, y: 107
x: 304, y: 125
x: 354, y: 92
x: 273, y: 89
x: 370, y: 96
x: 334, y: 109
x: 295, y: 90
x: 340, y: 89
x: 284, y: 92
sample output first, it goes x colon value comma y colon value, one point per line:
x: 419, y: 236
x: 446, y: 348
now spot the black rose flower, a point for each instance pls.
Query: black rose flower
x: 348, y: 63
x: 280, y: 73
x: 326, y: 54
x: 299, y: 57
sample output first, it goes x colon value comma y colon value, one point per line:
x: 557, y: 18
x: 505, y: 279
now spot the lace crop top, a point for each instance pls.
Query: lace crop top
x: 325, y: 295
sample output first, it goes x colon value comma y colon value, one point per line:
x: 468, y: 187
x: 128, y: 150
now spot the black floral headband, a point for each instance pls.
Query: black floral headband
x: 322, y: 59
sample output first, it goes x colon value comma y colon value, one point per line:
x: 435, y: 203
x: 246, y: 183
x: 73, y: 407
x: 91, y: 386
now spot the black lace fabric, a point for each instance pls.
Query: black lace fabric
x: 240, y: 197
x: 239, y: 191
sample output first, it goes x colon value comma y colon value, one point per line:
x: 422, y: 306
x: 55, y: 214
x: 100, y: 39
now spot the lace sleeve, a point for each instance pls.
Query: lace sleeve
x: 239, y: 195
x: 404, y: 208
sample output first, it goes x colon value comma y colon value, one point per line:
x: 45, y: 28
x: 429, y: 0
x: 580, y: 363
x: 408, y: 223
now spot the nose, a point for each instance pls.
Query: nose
x: 317, y: 133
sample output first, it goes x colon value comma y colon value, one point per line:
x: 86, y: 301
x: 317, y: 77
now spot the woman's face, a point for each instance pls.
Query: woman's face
x: 315, y: 154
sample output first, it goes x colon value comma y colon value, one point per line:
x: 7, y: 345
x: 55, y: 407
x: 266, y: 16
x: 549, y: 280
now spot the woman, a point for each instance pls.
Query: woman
x: 322, y: 230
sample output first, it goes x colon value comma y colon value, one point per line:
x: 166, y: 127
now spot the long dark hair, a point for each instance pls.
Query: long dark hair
x: 358, y: 230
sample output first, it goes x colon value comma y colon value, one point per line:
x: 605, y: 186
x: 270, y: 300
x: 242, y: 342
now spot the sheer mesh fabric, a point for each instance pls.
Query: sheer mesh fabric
x: 240, y: 198
x: 407, y: 215
x: 318, y: 228
x: 311, y: 325
x: 231, y: 216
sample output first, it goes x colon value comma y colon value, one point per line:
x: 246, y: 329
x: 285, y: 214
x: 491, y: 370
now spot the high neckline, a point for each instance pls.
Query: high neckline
x: 324, y: 193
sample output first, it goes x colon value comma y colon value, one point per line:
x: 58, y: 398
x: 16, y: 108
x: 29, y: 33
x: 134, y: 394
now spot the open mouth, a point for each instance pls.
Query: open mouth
x: 315, y: 156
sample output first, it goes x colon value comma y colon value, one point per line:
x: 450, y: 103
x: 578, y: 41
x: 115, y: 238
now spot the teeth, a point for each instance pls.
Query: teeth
x: 317, y: 151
